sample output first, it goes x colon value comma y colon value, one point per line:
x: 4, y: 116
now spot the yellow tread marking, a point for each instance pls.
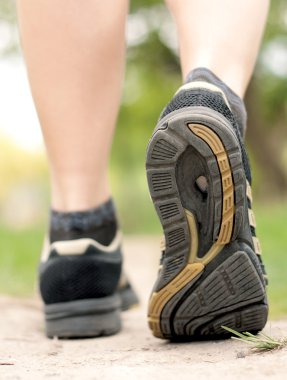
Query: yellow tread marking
x: 214, y: 250
x: 193, y: 236
x: 221, y: 155
x: 213, y: 143
x: 159, y: 299
x: 217, y: 146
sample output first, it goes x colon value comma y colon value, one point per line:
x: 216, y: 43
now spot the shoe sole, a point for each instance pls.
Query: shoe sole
x: 84, y: 318
x: 89, y: 318
x: 209, y: 277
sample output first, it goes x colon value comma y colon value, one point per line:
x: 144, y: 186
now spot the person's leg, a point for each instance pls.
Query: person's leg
x: 75, y: 58
x: 222, y: 35
x: 200, y: 181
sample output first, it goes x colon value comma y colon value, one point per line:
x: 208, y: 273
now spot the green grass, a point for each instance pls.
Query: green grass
x: 260, y: 342
x: 271, y: 228
x: 19, y: 256
x: 19, y: 253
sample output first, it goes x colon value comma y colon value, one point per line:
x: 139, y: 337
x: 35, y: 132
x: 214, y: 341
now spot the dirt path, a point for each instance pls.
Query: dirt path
x: 133, y: 354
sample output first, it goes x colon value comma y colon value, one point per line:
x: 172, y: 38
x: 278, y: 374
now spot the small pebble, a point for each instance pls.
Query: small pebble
x: 240, y: 355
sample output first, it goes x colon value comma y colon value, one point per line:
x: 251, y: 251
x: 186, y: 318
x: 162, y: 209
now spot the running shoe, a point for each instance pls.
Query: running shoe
x: 211, y: 273
x: 83, y: 288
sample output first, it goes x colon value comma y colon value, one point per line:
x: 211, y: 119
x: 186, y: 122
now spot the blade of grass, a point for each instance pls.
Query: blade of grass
x: 261, y: 342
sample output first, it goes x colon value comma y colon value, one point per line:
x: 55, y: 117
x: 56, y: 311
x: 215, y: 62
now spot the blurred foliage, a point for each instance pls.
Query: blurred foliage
x: 271, y: 227
x: 267, y: 107
x: 7, y: 11
x: 18, y: 165
x: 19, y: 259
x: 8, y: 32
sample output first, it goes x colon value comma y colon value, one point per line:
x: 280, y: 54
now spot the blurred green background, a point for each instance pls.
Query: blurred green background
x: 152, y: 76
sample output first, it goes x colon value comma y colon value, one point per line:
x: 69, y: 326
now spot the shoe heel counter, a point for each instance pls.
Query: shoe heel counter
x: 70, y: 278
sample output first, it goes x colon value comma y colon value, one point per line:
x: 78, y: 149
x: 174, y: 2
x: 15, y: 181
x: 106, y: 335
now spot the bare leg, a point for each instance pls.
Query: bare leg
x: 223, y: 36
x: 75, y: 58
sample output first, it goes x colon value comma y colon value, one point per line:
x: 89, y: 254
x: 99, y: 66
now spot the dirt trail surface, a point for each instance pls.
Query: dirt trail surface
x: 133, y: 354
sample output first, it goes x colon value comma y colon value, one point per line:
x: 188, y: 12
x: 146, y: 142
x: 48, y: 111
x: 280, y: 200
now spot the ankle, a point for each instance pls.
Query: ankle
x: 98, y: 223
x: 77, y: 195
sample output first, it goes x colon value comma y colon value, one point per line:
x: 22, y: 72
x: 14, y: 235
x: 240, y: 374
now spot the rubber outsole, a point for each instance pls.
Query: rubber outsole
x: 89, y: 318
x: 84, y: 318
x: 203, y: 230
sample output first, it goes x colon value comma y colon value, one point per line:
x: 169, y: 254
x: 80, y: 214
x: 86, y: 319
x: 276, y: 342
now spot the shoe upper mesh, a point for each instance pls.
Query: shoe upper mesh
x: 214, y: 101
x: 71, y: 278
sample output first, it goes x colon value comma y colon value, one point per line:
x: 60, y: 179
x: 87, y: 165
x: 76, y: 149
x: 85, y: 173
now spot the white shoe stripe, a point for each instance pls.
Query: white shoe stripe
x: 78, y: 246
x: 204, y: 85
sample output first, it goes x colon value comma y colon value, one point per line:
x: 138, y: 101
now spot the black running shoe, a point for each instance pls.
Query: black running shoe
x: 83, y: 289
x: 211, y: 273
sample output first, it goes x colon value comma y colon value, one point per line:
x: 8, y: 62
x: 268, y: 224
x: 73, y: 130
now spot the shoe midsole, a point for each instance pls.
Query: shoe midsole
x: 83, y: 318
x: 82, y: 307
